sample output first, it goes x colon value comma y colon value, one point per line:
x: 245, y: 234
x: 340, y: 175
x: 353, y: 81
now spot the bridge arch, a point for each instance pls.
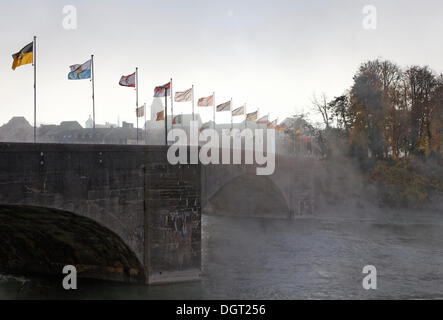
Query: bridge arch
x: 234, y: 198
x: 41, y: 241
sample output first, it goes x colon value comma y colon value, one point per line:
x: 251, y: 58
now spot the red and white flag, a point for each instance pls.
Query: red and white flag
x: 162, y: 91
x: 184, y: 96
x: 206, y: 102
x: 128, y: 81
x: 239, y: 111
x: 263, y: 120
x: 140, y: 112
x: 224, y: 107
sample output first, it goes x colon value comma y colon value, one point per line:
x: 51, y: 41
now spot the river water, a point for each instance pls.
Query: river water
x: 315, y: 258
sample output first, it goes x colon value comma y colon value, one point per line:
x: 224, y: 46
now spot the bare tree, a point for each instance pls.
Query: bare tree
x: 322, y: 106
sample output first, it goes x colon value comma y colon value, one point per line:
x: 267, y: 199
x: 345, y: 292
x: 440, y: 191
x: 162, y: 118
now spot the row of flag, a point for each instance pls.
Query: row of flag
x: 84, y: 71
x: 186, y: 96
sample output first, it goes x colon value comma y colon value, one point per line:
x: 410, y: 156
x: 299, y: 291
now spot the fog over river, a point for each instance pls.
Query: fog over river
x: 314, y: 258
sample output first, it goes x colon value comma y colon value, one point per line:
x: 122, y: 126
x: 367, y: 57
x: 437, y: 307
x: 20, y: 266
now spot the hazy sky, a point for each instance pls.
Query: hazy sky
x: 271, y: 54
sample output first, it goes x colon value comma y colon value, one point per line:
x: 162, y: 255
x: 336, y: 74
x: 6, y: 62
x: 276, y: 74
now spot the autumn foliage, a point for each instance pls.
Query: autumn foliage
x: 392, y: 122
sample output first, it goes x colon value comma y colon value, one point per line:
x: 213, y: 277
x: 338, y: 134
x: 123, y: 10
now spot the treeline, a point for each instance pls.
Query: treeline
x: 391, y: 122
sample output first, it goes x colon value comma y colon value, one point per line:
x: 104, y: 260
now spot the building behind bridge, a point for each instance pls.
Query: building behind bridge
x: 18, y: 129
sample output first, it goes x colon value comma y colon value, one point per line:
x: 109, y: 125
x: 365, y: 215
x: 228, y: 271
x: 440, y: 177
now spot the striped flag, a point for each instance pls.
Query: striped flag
x: 160, y: 116
x: 140, y: 112
x: 239, y: 111
x: 224, y: 107
x: 263, y: 120
x: 162, y: 91
x: 273, y: 124
x: 128, y: 81
x: 206, y: 102
x: 252, y: 116
x: 183, y: 96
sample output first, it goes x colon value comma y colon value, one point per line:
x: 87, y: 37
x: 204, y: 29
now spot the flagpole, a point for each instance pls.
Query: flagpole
x: 213, y: 98
x: 246, y: 118
x: 232, y: 124
x: 258, y: 118
x: 136, y: 98
x: 93, y: 98
x: 193, y: 118
x: 166, y: 115
x: 34, y: 55
x: 144, y: 113
x: 172, y: 107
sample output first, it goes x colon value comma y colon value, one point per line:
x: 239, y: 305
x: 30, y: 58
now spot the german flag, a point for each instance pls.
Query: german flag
x: 24, y: 56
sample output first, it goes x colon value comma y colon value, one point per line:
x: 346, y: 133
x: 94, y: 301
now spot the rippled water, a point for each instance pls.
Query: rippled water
x: 319, y: 258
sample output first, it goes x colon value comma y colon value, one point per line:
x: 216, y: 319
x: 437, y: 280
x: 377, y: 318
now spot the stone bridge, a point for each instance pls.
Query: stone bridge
x: 237, y: 190
x: 115, y: 212
x: 123, y: 213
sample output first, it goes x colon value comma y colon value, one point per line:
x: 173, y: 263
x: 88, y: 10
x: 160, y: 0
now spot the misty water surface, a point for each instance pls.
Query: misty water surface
x: 318, y: 258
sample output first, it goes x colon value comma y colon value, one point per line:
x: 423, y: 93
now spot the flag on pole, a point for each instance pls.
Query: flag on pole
x: 206, y: 102
x: 24, y: 56
x: 205, y: 126
x: 239, y: 111
x: 273, y: 124
x: 80, y: 71
x: 177, y: 119
x: 128, y: 81
x: 162, y: 91
x: 263, y: 120
x: 224, y: 107
x: 183, y: 96
x: 252, y: 116
x: 140, y: 112
x: 160, y: 116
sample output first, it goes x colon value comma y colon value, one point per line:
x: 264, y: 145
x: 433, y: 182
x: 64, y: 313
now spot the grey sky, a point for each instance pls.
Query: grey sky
x: 271, y: 54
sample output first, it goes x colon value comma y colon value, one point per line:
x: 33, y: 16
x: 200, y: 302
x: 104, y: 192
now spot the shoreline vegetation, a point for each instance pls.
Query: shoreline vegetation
x: 383, y: 138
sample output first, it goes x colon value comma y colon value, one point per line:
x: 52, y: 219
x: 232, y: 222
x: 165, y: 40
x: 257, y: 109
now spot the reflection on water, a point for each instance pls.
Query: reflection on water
x: 278, y: 259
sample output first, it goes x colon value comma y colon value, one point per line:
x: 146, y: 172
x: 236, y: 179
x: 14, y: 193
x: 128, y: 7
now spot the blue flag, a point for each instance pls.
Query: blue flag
x: 80, y: 71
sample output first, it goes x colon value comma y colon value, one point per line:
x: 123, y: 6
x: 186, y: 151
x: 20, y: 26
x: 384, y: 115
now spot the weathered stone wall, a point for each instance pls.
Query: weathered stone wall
x: 132, y: 190
x: 173, y: 231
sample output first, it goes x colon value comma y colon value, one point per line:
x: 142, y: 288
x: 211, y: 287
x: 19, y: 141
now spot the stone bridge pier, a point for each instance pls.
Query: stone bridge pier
x: 115, y: 212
